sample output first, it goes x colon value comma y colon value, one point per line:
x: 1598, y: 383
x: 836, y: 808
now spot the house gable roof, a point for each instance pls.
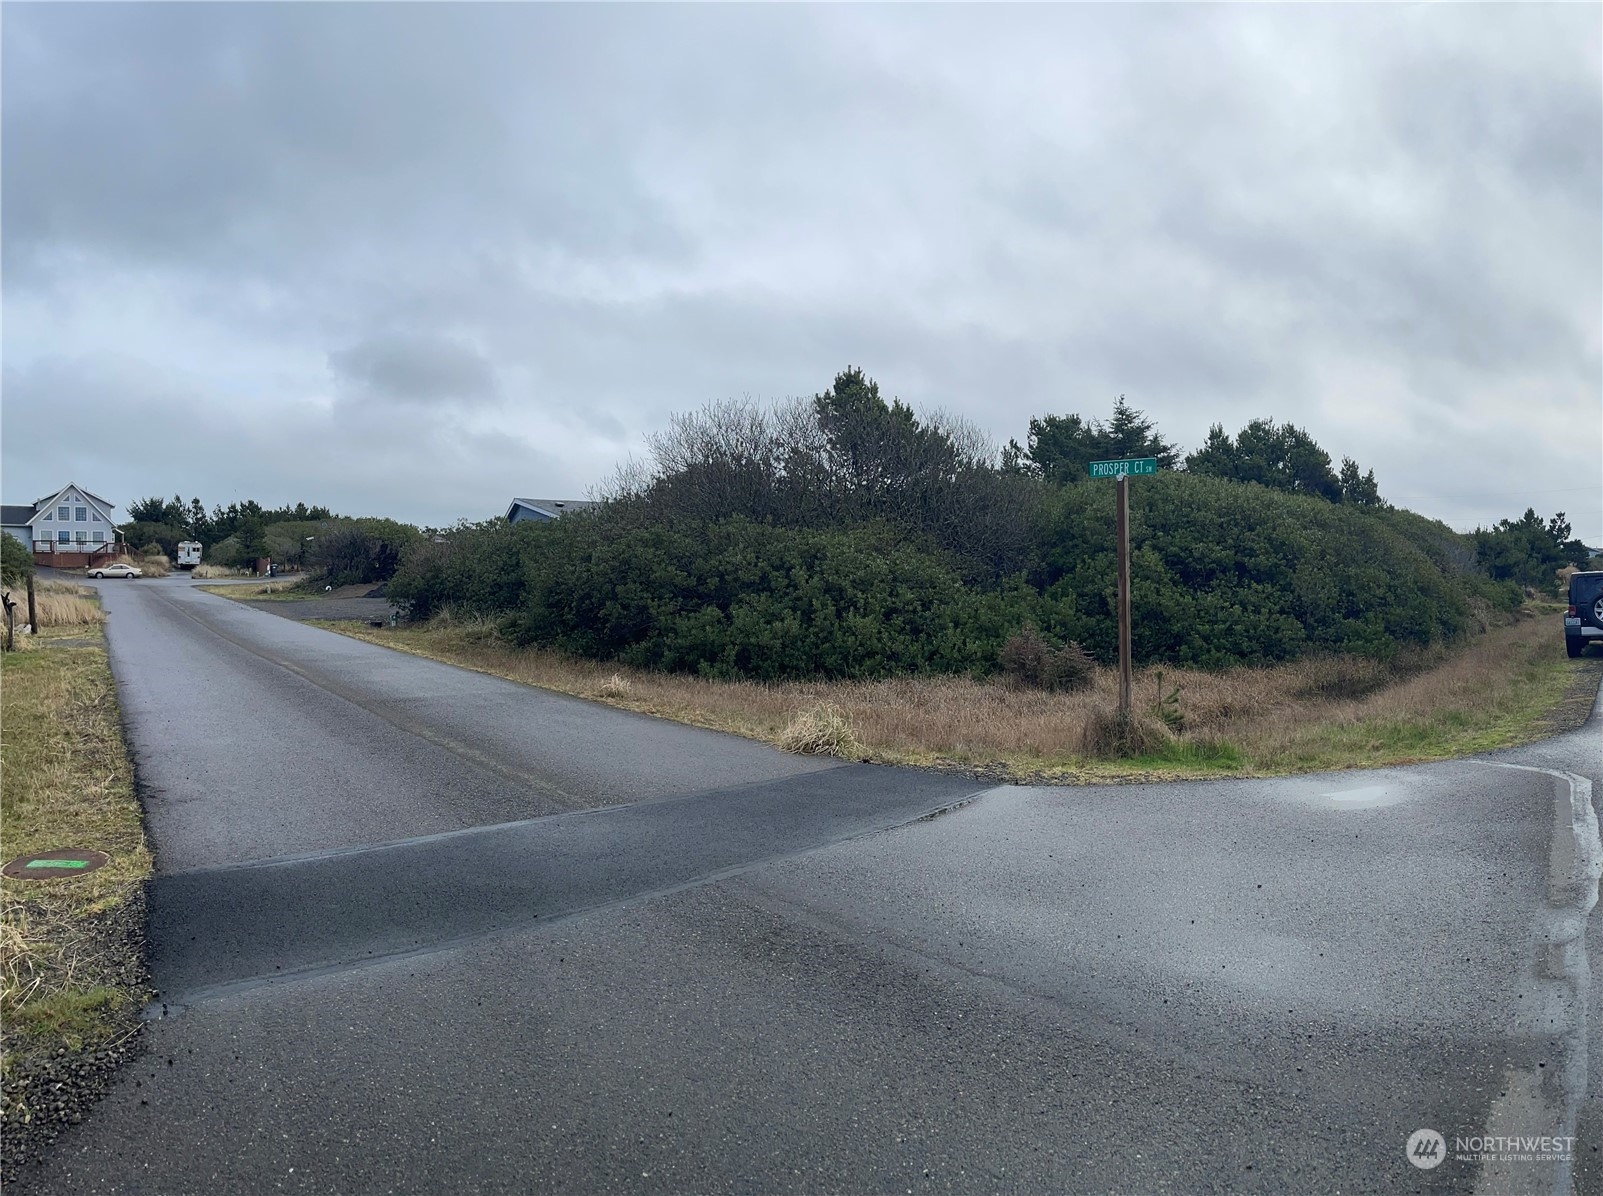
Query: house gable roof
x: 551, y: 508
x: 43, y: 505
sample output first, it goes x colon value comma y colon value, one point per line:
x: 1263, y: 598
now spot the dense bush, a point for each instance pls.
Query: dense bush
x: 742, y: 599
x: 476, y: 569
x: 360, y: 551
x: 1224, y: 573
x: 16, y: 560
x: 847, y: 536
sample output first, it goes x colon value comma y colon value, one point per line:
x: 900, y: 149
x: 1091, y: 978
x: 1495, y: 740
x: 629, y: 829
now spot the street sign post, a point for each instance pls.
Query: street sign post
x: 1123, y: 471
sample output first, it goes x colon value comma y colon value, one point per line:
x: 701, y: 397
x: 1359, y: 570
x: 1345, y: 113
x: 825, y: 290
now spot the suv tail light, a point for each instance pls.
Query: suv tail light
x: 1571, y: 611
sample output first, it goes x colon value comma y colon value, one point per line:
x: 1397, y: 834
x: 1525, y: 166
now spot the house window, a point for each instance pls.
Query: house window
x: 95, y: 515
x: 100, y: 537
x: 49, y: 517
x: 64, y: 536
x: 65, y: 513
x: 83, y: 515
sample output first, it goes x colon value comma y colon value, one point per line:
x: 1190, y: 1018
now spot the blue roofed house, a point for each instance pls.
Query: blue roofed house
x: 69, y: 528
x: 545, y: 509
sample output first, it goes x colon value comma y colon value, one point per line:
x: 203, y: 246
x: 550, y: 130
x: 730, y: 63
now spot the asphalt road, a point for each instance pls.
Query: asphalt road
x: 398, y: 954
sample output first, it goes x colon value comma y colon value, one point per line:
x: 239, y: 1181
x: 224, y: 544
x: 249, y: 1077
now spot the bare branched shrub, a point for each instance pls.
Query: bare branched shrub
x: 822, y: 730
x: 1030, y: 661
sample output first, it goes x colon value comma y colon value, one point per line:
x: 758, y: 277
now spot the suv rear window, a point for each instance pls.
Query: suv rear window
x: 1584, y: 586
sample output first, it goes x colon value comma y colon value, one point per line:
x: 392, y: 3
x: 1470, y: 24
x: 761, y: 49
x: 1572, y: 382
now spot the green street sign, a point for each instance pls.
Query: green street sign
x: 1134, y: 466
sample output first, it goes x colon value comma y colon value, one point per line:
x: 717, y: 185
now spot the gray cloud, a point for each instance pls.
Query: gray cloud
x: 410, y: 259
x: 418, y: 368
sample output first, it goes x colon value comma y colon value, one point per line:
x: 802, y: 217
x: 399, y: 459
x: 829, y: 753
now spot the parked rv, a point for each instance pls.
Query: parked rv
x: 188, y: 554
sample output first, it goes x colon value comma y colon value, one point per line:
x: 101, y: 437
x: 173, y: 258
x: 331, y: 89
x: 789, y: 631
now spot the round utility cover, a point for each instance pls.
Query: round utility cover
x: 54, y: 865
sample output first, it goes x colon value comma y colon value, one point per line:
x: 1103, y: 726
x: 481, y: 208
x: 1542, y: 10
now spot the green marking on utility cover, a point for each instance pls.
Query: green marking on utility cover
x: 57, y: 864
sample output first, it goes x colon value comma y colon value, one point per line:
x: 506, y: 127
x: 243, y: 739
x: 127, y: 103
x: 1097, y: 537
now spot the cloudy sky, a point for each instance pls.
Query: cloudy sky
x: 411, y: 259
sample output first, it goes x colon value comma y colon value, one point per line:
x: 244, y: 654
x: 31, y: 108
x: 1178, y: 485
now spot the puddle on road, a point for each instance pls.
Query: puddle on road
x: 1365, y: 798
x: 1352, y: 797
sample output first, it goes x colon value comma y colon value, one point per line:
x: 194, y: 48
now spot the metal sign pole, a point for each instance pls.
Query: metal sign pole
x: 1124, y: 595
x: 1144, y: 466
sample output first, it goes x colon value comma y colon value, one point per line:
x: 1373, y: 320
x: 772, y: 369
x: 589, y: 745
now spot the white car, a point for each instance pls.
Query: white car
x: 117, y: 570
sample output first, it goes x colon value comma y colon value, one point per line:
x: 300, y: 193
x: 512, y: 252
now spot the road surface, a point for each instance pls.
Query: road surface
x: 420, y: 930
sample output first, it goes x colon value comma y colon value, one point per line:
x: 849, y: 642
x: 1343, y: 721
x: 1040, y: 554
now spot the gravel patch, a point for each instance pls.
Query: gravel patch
x: 46, y: 1093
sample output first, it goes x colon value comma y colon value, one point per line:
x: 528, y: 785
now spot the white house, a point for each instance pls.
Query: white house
x: 65, y: 528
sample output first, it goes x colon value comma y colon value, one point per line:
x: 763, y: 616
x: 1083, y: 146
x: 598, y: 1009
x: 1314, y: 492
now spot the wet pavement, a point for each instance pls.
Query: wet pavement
x: 392, y: 963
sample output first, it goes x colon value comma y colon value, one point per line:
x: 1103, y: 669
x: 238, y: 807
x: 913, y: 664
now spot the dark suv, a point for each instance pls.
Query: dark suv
x: 1583, y: 622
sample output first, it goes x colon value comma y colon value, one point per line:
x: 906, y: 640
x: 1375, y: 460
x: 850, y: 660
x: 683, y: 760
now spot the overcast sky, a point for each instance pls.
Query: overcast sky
x: 411, y: 260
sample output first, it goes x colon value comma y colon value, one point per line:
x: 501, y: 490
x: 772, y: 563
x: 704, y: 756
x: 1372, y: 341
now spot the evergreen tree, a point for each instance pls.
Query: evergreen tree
x: 1280, y: 456
x: 1356, y: 490
x: 1528, y: 551
x: 1129, y: 433
x: 1062, y: 446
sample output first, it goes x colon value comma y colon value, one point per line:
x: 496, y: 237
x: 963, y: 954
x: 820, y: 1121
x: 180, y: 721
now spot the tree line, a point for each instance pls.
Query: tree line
x: 344, y: 550
x: 848, y: 535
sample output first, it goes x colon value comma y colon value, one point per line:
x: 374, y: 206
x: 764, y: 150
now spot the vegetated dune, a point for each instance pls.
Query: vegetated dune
x: 1323, y: 711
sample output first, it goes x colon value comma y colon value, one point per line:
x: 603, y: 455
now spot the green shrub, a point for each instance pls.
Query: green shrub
x: 477, y: 569
x: 851, y: 537
x: 360, y: 551
x: 16, y: 560
x: 741, y: 599
x: 1225, y: 573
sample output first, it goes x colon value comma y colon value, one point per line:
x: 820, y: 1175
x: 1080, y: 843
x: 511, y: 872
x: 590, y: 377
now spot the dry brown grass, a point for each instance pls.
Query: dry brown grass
x: 1110, y: 735
x: 59, y: 604
x: 204, y: 571
x: 821, y: 730
x: 67, y: 610
x: 616, y: 686
x: 156, y: 565
x: 1316, y: 713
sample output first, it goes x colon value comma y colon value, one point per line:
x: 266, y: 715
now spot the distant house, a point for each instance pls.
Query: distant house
x: 68, y: 528
x: 545, y: 509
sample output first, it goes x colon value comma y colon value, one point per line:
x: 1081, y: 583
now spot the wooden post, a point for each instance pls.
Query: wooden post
x: 33, y: 613
x: 1124, y: 595
x: 11, y: 621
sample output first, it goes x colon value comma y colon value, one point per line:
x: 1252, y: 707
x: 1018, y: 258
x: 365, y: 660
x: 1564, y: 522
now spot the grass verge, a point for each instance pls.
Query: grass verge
x: 59, y: 604
x: 1498, y: 689
x: 72, y: 977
